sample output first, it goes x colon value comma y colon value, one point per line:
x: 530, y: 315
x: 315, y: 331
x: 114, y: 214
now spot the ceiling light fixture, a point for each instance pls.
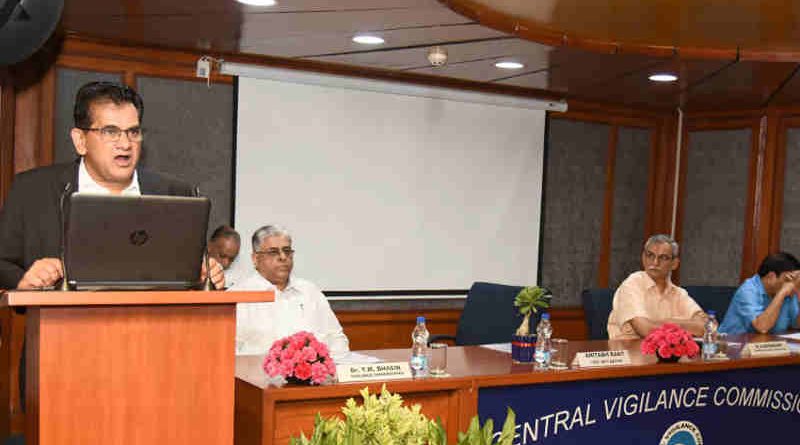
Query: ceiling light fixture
x: 663, y: 77
x: 366, y: 39
x: 258, y: 2
x: 509, y: 65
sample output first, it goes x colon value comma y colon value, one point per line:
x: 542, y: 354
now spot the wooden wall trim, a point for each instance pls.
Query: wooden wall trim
x: 758, y: 170
x: 679, y: 212
x: 7, y: 111
x: 608, y: 209
x: 662, y: 177
x: 33, y: 122
x: 381, y: 329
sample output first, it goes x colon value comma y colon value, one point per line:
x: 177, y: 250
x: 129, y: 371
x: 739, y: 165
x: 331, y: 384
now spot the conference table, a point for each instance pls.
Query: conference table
x: 646, y: 401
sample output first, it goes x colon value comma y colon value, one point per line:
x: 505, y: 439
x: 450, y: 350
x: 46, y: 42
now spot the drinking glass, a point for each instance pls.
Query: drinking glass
x: 438, y: 362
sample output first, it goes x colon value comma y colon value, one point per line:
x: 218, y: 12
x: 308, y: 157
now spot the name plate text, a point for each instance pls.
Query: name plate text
x: 595, y: 359
x: 373, y: 371
x: 766, y: 349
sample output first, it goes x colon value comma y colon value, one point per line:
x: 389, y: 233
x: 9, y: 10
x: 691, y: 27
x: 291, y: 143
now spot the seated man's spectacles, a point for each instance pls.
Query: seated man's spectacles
x: 650, y: 256
x: 112, y: 133
x: 274, y: 252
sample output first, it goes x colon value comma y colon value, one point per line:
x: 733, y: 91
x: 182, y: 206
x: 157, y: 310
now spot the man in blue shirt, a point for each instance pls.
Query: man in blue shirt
x: 767, y: 301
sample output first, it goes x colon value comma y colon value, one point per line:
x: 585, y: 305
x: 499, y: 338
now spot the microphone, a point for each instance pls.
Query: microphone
x: 208, y: 285
x: 67, y: 192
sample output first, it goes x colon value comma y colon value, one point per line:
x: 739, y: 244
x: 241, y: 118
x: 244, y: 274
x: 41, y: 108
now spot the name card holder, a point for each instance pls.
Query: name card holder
x: 373, y: 371
x: 598, y: 359
x: 776, y: 348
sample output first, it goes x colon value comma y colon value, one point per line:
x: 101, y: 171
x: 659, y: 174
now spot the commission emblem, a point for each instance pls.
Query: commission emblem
x: 682, y: 432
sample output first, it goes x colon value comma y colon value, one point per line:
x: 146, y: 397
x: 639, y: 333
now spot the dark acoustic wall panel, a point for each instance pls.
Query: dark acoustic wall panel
x: 790, y: 228
x: 575, y: 176
x: 630, y: 202
x: 68, y: 82
x: 190, y: 135
x: 714, y: 207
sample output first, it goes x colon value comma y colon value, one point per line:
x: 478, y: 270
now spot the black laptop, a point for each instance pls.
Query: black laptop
x: 134, y: 242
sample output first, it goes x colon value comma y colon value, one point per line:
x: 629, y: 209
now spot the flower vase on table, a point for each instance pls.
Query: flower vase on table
x: 522, y: 348
x: 528, y: 301
x: 669, y: 342
x: 300, y: 359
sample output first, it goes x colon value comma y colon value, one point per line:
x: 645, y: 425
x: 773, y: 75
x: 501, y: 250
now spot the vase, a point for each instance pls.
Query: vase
x: 670, y: 359
x: 522, y: 348
x: 295, y: 381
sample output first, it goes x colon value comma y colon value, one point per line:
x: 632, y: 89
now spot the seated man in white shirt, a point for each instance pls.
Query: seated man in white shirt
x: 299, y: 305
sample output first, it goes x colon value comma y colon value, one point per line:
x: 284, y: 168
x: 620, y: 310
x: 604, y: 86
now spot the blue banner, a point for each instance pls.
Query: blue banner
x: 729, y: 407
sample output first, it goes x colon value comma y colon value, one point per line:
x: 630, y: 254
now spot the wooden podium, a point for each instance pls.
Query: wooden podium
x: 130, y: 367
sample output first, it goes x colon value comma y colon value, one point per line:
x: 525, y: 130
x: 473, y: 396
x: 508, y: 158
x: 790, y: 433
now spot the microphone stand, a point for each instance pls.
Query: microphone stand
x: 208, y: 285
x: 64, y: 281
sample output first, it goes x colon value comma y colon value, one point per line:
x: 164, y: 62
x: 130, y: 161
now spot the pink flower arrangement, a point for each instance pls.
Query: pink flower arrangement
x: 300, y: 357
x: 670, y: 340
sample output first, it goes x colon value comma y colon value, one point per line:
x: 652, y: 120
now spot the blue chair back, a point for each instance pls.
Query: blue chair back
x: 716, y: 298
x: 597, y: 305
x: 489, y: 315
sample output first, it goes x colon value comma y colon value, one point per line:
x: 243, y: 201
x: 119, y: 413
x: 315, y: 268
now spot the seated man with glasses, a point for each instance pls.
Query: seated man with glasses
x: 108, y: 140
x: 647, y: 299
x: 299, y: 305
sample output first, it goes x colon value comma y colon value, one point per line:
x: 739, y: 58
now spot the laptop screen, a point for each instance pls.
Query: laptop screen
x: 134, y: 242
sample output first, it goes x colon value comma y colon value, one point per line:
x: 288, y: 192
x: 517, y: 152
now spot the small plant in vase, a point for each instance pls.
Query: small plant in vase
x: 528, y: 301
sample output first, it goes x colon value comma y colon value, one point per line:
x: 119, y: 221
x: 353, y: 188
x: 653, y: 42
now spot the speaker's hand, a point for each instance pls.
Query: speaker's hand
x: 42, y: 273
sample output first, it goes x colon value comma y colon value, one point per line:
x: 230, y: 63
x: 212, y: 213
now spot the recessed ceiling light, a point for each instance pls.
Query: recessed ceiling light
x: 258, y: 2
x: 663, y: 77
x: 366, y: 39
x: 509, y: 65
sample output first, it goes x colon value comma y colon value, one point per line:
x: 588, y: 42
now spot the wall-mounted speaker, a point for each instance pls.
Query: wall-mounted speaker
x: 25, y: 25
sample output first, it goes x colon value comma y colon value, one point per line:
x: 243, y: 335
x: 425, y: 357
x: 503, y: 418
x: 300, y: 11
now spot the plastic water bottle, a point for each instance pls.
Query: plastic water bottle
x: 710, y: 337
x: 419, y: 348
x: 543, y: 333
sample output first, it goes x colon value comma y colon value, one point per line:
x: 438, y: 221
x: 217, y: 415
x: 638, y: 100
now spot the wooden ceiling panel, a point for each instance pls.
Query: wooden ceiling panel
x: 573, y: 60
x: 334, y: 44
x: 789, y: 94
x: 472, y: 60
x: 745, y: 85
x: 636, y: 25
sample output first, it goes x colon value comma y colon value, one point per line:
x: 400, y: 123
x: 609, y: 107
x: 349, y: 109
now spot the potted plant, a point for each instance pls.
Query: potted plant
x: 528, y: 301
x: 669, y: 342
x: 384, y: 419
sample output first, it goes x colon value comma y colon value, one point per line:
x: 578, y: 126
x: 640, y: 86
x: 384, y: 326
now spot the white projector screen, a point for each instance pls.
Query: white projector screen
x: 390, y: 192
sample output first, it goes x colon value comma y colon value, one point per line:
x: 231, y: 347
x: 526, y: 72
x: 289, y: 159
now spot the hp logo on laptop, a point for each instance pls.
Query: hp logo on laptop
x: 139, y: 237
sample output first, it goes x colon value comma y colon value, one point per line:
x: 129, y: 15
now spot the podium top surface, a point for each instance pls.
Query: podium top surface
x: 118, y: 298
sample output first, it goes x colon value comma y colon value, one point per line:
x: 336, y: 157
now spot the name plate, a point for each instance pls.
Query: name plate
x: 595, y: 359
x: 766, y: 349
x: 373, y: 371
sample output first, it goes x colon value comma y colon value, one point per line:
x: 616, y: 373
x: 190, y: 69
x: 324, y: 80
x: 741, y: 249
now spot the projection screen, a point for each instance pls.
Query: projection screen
x: 387, y: 191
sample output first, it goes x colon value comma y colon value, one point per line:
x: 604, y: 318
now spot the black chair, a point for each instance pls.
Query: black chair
x: 489, y: 316
x: 597, y: 304
x: 715, y: 298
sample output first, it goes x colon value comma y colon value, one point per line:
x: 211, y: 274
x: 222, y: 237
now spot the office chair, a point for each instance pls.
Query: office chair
x: 489, y: 316
x: 715, y: 298
x: 597, y: 304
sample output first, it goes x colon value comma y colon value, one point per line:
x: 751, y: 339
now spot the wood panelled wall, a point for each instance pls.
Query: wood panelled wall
x: 766, y: 167
x: 26, y: 118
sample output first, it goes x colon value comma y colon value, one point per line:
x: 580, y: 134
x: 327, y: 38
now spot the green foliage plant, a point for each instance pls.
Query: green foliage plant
x: 378, y: 421
x: 528, y: 301
x: 385, y: 421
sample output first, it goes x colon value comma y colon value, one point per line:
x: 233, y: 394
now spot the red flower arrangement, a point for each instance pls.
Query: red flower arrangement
x: 300, y: 358
x: 670, y: 340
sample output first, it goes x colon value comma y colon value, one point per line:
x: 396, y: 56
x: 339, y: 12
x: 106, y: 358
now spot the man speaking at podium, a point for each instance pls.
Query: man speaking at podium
x: 108, y: 138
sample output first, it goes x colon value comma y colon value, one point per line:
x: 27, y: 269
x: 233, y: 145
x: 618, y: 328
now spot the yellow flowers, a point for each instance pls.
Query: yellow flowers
x: 385, y: 421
